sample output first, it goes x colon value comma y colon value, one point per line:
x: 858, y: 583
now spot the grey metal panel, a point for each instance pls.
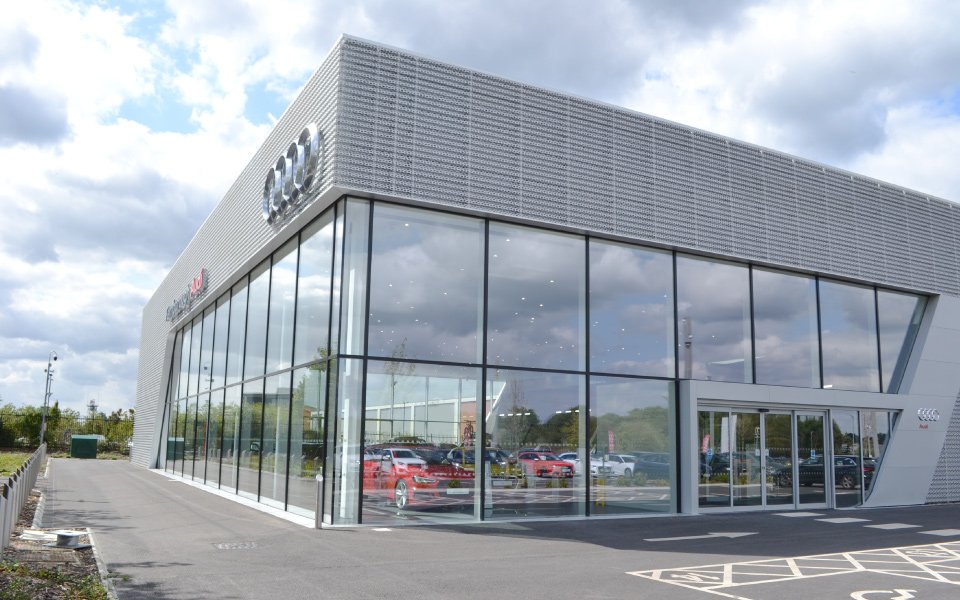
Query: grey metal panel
x: 232, y: 235
x: 945, y: 486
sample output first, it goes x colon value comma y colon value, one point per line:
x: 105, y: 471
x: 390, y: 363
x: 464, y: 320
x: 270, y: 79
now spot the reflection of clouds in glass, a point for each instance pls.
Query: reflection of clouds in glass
x: 631, y: 310
x: 313, y: 290
x: 714, y: 311
x: 899, y: 317
x: 427, y: 285
x: 283, y: 291
x: 785, y: 321
x: 849, y: 337
x: 536, y: 297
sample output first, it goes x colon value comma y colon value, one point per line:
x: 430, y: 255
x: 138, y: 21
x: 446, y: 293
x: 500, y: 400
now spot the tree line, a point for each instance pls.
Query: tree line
x: 20, y: 427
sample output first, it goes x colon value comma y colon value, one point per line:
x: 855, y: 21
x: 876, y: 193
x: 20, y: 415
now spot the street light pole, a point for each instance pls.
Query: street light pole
x: 46, y: 394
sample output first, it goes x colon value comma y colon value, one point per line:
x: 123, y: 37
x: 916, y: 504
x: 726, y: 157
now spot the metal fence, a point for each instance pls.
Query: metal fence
x: 21, y: 430
x: 15, y: 491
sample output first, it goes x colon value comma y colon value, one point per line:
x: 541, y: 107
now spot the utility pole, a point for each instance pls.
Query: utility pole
x: 46, y: 394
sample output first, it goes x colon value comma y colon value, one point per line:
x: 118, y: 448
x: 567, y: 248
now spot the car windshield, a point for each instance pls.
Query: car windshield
x: 404, y: 454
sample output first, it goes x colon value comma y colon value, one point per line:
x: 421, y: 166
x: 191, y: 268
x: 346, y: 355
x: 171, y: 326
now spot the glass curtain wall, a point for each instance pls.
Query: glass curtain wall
x: 393, y: 321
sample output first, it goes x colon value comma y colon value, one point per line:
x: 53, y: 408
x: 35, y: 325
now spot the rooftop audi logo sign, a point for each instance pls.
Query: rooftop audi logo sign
x: 196, y: 289
x: 290, y: 178
x: 928, y: 414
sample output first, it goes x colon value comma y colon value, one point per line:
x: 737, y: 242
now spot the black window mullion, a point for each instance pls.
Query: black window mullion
x: 366, y: 335
x: 585, y: 418
x: 479, y: 442
x: 876, y: 315
x: 819, y: 331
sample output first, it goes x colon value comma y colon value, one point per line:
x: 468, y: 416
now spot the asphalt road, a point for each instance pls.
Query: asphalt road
x: 163, y: 539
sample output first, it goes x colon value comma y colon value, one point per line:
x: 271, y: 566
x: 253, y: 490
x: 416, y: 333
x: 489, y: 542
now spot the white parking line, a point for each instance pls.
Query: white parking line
x: 799, y: 514
x: 931, y: 562
x: 893, y: 526
x: 943, y: 532
x: 844, y: 520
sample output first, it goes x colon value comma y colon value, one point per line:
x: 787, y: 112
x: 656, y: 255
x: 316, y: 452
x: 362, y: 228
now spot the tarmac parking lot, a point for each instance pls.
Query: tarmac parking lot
x: 163, y: 538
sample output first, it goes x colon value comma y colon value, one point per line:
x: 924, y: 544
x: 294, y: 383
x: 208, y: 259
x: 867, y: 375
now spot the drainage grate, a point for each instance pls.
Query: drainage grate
x: 236, y: 546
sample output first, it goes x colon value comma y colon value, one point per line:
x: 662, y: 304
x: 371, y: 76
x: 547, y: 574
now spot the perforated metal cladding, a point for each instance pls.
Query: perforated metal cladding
x: 233, y: 233
x: 945, y: 486
x: 416, y: 128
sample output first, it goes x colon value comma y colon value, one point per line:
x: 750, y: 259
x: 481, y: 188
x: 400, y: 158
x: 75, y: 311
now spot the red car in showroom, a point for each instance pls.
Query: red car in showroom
x: 544, y: 464
x: 407, y: 476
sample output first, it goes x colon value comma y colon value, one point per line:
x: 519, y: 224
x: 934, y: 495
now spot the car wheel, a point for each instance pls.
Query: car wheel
x: 847, y: 482
x: 401, y: 495
x: 784, y: 481
x: 627, y: 473
x: 541, y: 473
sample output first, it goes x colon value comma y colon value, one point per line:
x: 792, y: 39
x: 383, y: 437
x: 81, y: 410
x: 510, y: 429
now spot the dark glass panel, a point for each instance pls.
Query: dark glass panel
x: 200, y: 455
x: 785, y: 329
x: 778, y: 447
x: 426, y: 296
x: 713, y: 308
x: 183, y: 383
x: 633, y: 447
x: 713, y: 431
x: 631, y: 310
x: 536, y: 307
x: 354, y: 278
x: 899, y: 320
x: 811, y: 459
x: 875, y: 426
x: 214, y: 434
x: 846, y: 458
x: 346, y: 456
x: 195, y: 339
x: 532, y: 418
x: 257, y: 301
x: 848, y: 322
x: 313, y: 291
x: 189, y: 436
x: 745, y: 460
x: 206, y: 351
x: 283, y: 292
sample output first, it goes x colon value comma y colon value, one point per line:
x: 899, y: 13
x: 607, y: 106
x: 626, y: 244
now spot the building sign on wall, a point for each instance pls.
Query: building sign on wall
x: 289, y: 179
x: 196, y: 289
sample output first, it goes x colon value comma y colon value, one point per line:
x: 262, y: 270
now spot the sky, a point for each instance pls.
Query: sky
x: 123, y: 123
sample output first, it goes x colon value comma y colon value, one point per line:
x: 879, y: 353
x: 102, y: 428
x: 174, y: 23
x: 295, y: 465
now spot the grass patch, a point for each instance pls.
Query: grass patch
x: 20, y: 582
x: 11, y: 461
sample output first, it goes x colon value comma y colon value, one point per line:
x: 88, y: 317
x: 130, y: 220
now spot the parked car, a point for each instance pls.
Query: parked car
x: 573, y: 458
x: 503, y: 469
x: 655, y: 465
x: 406, y: 476
x: 544, y: 464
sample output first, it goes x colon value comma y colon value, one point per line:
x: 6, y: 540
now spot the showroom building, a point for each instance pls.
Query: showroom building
x: 437, y: 295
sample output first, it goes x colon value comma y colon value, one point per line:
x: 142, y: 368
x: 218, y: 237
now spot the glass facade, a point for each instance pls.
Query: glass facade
x: 365, y: 367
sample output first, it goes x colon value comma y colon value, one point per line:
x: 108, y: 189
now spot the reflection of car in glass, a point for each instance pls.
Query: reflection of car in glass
x: 619, y: 464
x: 810, y: 472
x: 408, y: 476
x: 544, y: 464
x: 503, y: 469
x: 655, y: 465
x: 573, y: 458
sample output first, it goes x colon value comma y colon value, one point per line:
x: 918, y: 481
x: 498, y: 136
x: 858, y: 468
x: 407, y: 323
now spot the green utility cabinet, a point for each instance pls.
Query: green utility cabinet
x: 83, y: 446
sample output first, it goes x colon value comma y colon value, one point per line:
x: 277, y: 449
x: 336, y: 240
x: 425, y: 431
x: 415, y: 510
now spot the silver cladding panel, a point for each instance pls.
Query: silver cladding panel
x: 945, y: 486
x: 403, y: 126
x: 233, y: 234
x: 419, y: 129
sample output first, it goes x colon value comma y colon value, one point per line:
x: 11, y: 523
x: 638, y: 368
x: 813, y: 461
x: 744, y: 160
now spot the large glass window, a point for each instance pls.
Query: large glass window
x: 347, y: 453
x: 632, y: 442
x: 713, y: 435
x: 195, y: 340
x: 313, y: 291
x: 183, y: 420
x: 200, y: 460
x: 238, y: 324
x: 257, y: 300
x: 183, y: 383
x: 218, y: 364
x: 631, y: 310
x: 848, y: 322
x: 426, y: 292
x: 354, y: 279
x: 846, y: 458
x: 536, y: 300
x: 231, y: 439
x: 713, y: 308
x: 531, y: 418
x: 875, y: 427
x: 283, y: 292
x: 306, y: 441
x: 189, y: 436
x: 214, y: 435
x: 273, y: 451
x: 419, y: 421
x: 785, y: 329
x: 206, y: 351
x: 251, y: 428
x: 899, y: 319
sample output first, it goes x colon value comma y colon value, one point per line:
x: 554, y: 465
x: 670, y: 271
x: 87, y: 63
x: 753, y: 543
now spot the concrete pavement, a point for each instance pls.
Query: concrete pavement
x: 164, y: 539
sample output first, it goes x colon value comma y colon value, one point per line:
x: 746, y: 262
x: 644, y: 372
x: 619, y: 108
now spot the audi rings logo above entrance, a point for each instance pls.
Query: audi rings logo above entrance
x: 291, y: 177
x: 928, y: 414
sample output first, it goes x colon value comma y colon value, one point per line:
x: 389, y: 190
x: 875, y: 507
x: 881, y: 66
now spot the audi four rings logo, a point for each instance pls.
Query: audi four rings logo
x: 289, y: 179
x: 928, y: 414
